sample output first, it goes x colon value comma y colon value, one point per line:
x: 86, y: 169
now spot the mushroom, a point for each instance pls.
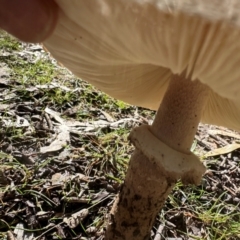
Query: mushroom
x: 178, y: 56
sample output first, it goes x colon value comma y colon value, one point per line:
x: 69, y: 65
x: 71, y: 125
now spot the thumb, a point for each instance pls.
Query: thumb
x: 28, y: 20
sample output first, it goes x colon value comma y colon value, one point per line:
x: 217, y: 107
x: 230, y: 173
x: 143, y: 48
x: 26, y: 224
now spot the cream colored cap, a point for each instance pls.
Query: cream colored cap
x: 130, y: 48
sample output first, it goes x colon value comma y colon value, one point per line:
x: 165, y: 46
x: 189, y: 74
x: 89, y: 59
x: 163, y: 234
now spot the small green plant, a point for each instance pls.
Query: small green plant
x: 39, y: 72
x: 122, y: 105
x: 8, y: 43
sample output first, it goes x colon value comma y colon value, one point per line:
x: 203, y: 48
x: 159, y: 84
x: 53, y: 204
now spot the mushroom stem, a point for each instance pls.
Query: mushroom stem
x: 180, y: 112
x: 152, y: 175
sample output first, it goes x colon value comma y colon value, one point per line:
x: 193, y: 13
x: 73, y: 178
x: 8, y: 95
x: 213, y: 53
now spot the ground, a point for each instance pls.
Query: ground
x: 64, y: 152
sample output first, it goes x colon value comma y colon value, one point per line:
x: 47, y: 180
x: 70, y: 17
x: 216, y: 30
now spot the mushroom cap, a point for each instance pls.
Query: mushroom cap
x: 129, y: 49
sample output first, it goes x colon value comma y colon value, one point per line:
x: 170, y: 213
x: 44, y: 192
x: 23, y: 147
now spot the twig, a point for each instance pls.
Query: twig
x: 158, y: 235
x: 48, y: 230
x: 49, y: 122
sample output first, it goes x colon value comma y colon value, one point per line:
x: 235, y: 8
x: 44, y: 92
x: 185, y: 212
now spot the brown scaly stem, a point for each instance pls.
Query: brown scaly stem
x: 146, y: 185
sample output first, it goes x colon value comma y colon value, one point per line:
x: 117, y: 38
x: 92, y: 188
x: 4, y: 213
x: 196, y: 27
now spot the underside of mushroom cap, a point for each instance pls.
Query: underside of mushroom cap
x: 130, y: 48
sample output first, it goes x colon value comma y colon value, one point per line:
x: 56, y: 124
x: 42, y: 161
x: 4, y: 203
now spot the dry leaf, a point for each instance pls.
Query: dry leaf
x: 20, y: 122
x: 224, y: 133
x: 62, y: 139
x: 4, y: 106
x: 219, y: 151
x: 91, y: 230
x: 107, y: 116
x: 59, y: 178
x: 55, y: 115
x: 21, y: 234
x: 67, y: 126
x: 76, y: 218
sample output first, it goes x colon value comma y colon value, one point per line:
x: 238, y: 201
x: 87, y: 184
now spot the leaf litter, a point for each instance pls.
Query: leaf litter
x: 64, y: 152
